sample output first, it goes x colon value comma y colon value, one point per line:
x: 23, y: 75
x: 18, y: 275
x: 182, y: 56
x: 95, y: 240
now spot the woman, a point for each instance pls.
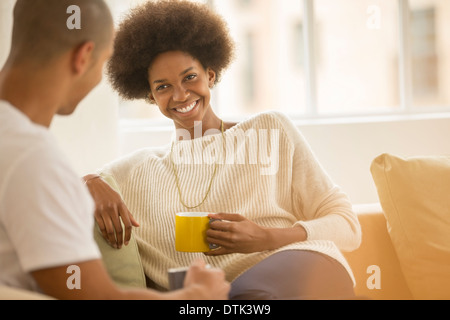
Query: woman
x: 281, y: 220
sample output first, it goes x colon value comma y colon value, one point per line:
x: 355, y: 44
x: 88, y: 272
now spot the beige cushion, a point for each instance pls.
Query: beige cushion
x: 124, y: 265
x: 8, y: 293
x: 415, y: 196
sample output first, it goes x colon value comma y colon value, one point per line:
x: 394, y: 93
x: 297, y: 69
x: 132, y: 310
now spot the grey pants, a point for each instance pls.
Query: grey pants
x: 294, y: 275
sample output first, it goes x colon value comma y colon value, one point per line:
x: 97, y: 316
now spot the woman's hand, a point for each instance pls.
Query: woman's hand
x: 236, y: 234
x: 109, y: 210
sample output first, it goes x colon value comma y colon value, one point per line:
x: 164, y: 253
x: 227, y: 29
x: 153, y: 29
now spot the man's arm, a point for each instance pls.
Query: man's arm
x: 89, y: 282
x: 95, y: 284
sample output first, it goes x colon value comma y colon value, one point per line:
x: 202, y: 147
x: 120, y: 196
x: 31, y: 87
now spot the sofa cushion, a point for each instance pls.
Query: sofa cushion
x: 415, y: 197
x: 123, y: 265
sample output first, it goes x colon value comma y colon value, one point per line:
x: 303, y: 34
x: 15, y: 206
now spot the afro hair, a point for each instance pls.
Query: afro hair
x: 159, y: 26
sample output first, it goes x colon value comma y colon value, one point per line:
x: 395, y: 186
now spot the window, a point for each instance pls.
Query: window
x: 424, y: 55
x: 320, y: 58
x: 268, y: 72
x: 430, y: 52
x: 357, y: 62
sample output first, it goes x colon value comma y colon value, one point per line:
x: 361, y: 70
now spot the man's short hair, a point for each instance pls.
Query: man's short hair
x: 40, y: 30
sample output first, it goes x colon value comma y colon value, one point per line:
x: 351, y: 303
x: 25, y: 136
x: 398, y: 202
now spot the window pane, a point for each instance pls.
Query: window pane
x: 430, y: 52
x: 357, y: 56
x: 268, y: 72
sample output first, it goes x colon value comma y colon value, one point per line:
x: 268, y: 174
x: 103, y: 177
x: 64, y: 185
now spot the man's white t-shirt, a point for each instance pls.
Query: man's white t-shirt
x: 46, y: 213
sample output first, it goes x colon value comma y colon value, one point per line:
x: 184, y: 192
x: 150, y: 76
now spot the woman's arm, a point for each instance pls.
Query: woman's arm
x: 110, y: 212
x: 332, y: 218
x: 236, y: 234
x: 321, y: 207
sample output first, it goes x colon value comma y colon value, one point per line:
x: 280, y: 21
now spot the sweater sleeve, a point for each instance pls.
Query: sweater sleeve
x: 117, y: 172
x: 324, y: 210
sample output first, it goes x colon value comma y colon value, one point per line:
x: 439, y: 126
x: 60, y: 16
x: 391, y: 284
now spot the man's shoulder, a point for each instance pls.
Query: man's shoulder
x: 21, y: 137
x: 33, y: 155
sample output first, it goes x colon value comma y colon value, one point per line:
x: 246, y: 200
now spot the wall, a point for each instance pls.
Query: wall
x: 90, y: 135
x: 6, y: 7
x: 345, y: 148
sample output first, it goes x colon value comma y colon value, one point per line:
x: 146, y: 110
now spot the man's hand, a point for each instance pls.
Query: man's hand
x: 206, y: 283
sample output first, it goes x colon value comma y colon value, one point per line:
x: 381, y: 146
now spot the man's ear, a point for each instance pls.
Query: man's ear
x: 82, y: 57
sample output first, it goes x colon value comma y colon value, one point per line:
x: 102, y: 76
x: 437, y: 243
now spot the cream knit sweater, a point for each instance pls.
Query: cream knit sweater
x: 269, y: 175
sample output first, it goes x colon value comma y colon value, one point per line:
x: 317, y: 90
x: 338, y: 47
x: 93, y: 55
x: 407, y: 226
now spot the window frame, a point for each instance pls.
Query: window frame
x: 404, y: 72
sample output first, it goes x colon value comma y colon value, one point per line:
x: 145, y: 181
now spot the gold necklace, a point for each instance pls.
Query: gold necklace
x: 178, y: 180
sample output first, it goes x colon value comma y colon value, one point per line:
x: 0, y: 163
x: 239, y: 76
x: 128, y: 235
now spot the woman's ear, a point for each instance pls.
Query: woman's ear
x: 211, y: 77
x: 151, y: 99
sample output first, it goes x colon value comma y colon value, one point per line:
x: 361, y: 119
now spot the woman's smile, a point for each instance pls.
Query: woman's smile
x: 187, y: 109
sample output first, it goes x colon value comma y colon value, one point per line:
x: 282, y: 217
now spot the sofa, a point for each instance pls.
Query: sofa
x: 375, y: 264
x: 405, y: 248
x: 376, y: 249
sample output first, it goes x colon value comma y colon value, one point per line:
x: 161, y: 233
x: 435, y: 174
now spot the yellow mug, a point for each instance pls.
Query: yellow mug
x: 190, y: 232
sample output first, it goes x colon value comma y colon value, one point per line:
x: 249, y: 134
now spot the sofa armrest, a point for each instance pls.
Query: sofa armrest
x: 376, y: 250
x: 8, y: 293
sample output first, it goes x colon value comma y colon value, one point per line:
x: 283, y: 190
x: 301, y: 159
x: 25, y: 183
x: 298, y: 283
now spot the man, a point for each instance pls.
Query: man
x: 46, y: 213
